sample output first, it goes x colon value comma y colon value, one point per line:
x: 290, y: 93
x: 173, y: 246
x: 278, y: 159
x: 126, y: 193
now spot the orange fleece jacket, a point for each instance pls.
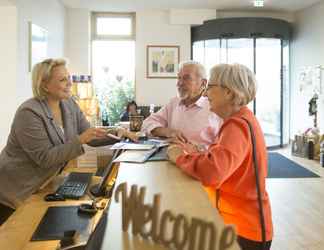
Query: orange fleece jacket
x: 227, y: 166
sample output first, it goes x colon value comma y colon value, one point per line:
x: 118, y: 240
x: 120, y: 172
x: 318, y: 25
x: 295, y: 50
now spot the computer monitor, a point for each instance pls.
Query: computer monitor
x: 100, y: 189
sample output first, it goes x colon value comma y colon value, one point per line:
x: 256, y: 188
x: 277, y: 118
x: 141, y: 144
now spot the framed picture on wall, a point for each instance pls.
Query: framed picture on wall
x: 38, y: 42
x: 162, y: 61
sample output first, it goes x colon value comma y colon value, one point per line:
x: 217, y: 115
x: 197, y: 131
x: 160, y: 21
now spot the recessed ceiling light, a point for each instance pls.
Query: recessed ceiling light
x: 258, y: 3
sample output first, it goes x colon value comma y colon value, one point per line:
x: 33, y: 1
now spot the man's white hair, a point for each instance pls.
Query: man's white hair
x: 200, y: 67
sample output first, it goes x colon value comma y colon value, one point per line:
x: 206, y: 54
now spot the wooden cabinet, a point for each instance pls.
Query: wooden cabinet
x: 84, y: 94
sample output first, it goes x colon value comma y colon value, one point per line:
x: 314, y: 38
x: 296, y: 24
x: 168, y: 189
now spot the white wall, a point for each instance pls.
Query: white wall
x: 78, y: 41
x: 5, y: 3
x: 153, y: 28
x: 14, y: 49
x: 50, y: 15
x: 307, y: 49
x: 8, y: 63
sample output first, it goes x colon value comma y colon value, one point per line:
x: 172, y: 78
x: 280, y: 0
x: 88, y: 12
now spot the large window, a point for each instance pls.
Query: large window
x: 113, y: 62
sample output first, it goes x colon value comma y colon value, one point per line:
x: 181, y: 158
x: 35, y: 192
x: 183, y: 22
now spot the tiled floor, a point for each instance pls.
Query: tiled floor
x: 298, y: 209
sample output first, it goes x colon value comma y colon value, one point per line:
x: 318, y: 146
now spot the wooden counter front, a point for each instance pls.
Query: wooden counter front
x: 180, y: 194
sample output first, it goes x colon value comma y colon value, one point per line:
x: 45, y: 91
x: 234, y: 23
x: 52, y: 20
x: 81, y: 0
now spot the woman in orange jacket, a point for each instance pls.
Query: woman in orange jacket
x: 228, y: 169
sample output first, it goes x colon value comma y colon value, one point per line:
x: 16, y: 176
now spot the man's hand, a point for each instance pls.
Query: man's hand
x: 176, y: 135
x: 172, y: 134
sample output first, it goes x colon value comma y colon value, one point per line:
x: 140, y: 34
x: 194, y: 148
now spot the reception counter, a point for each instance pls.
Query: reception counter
x: 179, y: 194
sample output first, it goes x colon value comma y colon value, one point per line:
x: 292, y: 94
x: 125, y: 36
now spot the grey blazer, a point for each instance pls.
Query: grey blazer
x: 37, y: 148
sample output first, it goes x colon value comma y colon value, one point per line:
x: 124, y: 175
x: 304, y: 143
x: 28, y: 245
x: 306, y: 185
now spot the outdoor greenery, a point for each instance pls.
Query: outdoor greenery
x: 113, y: 96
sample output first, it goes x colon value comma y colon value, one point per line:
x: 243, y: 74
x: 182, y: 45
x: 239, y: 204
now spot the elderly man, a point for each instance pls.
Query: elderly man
x: 186, y: 117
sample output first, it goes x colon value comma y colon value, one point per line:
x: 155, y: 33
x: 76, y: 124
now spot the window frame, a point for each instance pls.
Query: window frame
x: 96, y: 15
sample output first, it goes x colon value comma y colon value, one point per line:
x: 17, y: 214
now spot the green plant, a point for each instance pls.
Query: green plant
x: 113, y: 97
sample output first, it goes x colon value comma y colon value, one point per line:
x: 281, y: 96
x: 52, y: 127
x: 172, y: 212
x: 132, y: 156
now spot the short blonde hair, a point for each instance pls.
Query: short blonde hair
x: 42, y: 73
x: 198, y: 65
x: 237, y: 78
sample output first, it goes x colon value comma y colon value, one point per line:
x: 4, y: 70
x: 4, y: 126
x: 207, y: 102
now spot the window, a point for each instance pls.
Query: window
x: 113, y: 26
x: 113, y: 62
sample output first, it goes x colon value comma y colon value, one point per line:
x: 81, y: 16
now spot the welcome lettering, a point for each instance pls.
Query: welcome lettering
x: 145, y: 221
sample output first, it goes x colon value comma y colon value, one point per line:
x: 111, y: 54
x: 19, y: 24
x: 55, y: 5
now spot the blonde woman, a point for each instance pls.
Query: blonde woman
x: 234, y: 167
x: 48, y: 130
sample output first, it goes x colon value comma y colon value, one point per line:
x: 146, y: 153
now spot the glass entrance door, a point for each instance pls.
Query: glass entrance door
x: 268, y: 99
x: 264, y: 56
x: 240, y: 50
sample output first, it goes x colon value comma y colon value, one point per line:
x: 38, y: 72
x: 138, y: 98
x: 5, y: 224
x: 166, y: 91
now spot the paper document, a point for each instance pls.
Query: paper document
x: 132, y: 146
x: 141, y: 145
x: 137, y: 156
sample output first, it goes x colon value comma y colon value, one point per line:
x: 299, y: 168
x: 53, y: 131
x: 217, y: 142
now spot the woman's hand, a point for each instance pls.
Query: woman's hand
x: 121, y: 132
x: 174, y: 151
x: 189, y: 147
x: 92, y: 133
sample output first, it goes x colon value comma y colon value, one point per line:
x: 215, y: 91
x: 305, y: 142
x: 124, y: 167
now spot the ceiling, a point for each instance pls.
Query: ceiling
x: 136, y: 5
x: 5, y: 3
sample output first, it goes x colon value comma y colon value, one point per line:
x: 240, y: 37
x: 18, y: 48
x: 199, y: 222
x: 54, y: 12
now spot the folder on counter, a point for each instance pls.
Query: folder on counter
x: 140, y: 156
x: 141, y: 145
x: 160, y: 155
x: 136, y: 156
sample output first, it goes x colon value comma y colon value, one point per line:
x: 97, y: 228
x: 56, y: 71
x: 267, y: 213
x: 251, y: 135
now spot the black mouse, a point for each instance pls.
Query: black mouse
x: 54, y: 197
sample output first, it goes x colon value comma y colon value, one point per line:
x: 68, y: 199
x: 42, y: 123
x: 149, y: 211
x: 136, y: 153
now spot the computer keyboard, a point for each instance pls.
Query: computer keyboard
x: 75, y: 185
